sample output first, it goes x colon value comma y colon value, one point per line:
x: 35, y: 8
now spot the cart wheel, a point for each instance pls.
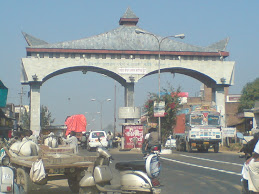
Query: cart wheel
x: 88, y: 190
x: 23, y: 179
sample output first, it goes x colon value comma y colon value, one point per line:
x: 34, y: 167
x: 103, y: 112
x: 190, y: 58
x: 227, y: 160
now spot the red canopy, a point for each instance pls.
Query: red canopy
x: 76, y: 123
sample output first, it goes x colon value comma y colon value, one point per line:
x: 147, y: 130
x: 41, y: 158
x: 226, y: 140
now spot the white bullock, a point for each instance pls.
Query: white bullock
x: 24, y: 148
x: 51, y: 141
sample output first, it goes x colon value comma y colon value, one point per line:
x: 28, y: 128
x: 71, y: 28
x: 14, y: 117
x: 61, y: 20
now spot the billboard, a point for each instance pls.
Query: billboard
x: 133, y: 135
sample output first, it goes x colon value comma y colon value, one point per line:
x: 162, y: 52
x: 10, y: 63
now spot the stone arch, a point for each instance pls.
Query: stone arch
x: 203, y: 78
x: 84, y: 70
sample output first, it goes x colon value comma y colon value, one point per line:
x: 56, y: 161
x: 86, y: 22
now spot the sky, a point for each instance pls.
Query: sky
x: 203, y: 22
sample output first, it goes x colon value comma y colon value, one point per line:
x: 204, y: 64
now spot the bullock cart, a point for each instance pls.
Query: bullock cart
x: 59, y: 163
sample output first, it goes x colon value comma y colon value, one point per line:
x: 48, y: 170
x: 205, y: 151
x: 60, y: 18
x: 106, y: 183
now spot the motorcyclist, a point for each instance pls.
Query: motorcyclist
x: 249, y: 147
x: 153, y: 139
x: 250, y: 172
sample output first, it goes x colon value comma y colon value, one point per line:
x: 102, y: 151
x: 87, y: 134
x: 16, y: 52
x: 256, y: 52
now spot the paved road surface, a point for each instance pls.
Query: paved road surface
x: 182, y: 172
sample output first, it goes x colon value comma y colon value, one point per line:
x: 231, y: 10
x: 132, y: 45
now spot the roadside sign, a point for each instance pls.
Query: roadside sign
x: 229, y: 132
x: 159, y: 109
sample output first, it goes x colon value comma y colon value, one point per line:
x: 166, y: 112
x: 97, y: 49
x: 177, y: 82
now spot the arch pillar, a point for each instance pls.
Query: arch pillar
x: 218, y: 97
x: 35, y: 107
x: 129, y: 98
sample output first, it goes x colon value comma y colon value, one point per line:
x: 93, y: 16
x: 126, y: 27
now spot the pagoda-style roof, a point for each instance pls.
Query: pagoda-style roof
x: 124, y: 38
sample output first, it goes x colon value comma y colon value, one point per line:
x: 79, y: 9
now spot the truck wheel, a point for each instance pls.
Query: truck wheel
x: 188, y: 147
x: 88, y: 190
x: 23, y: 178
x: 216, y: 148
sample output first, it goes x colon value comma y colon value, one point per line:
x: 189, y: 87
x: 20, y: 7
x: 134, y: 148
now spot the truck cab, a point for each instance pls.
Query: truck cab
x: 202, y: 130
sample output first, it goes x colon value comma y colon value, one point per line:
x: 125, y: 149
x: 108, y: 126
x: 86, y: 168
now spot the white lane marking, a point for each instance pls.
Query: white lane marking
x: 199, y: 166
x: 211, y: 160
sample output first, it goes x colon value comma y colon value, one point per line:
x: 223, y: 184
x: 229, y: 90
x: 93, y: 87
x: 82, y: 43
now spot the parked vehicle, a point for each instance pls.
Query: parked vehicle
x: 136, y: 176
x: 170, y: 142
x: 93, y: 141
x: 201, y: 129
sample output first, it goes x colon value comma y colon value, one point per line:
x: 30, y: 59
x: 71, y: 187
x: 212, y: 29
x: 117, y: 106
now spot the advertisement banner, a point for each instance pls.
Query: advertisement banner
x: 228, y: 132
x: 159, y: 109
x: 133, y: 135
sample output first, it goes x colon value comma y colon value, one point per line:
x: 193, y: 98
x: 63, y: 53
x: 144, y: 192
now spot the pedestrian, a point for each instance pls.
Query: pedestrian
x: 72, y: 141
x: 109, y: 138
x: 250, y: 172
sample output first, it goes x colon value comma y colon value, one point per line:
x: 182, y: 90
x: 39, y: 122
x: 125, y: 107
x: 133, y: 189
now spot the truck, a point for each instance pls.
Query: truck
x: 198, y: 128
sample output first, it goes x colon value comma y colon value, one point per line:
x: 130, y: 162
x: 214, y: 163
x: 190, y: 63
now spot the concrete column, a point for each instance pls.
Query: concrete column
x: 218, y: 96
x: 35, y: 107
x: 129, y: 98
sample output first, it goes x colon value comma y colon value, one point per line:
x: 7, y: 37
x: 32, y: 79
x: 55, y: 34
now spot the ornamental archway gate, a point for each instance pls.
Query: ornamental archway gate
x: 125, y: 56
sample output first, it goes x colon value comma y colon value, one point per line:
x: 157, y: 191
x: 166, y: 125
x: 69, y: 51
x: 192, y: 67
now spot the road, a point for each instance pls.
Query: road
x: 181, y: 172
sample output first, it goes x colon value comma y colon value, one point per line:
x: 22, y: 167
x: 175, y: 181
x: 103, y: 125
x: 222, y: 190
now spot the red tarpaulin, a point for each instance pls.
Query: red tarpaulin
x: 76, y: 123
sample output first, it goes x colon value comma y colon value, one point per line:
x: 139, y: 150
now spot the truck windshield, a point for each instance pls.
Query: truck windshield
x: 213, y: 120
x: 196, y: 119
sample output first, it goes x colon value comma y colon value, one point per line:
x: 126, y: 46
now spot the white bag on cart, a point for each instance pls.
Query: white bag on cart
x: 37, y: 172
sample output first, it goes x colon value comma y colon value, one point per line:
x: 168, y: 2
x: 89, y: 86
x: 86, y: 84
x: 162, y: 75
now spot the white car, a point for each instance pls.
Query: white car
x: 93, y: 140
x: 170, y: 142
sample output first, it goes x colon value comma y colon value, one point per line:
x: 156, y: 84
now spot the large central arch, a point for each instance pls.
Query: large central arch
x: 127, y: 57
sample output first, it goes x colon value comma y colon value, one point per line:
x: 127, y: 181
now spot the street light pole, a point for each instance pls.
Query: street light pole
x: 101, y: 104
x: 159, y: 41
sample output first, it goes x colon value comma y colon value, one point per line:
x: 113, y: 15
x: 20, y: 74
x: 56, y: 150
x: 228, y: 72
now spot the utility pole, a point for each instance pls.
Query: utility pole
x: 114, y: 132
x: 20, y: 111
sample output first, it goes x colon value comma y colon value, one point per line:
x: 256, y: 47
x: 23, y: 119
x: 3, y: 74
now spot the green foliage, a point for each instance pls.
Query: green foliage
x: 250, y: 94
x: 45, y: 118
x: 25, y: 120
x: 171, y: 105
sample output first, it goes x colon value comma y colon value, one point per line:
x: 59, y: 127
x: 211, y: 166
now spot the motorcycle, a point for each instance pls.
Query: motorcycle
x: 7, y: 183
x: 135, y: 176
x: 155, y: 149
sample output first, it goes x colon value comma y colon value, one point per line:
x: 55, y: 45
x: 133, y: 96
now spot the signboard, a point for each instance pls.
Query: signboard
x: 159, y: 109
x: 228, y: 132
x: 233, y: 98
x: 3, y: 94
x: 133, y: 71
x: 133, y: 135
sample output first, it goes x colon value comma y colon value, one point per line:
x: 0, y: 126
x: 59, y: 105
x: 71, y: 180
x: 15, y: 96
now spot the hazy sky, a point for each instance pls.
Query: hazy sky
x: 203, y: 23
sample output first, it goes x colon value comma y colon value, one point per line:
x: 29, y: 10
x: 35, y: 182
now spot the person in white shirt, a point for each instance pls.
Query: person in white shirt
x: 145, y: 142
x: 250, y: 171
x: 72, y: 141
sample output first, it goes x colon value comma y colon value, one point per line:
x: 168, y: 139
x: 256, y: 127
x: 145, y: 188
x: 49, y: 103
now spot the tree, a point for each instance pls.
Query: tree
x: 171, y: 106
x: 25, y: 120
x: 45, y: 118
x: 250, y: 94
